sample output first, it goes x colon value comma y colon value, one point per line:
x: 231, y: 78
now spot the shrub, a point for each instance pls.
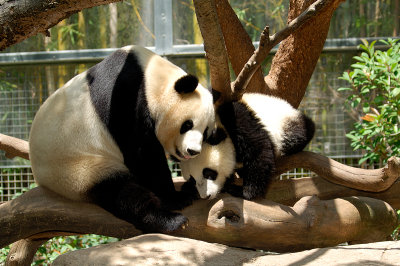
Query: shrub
x: 374, y: 98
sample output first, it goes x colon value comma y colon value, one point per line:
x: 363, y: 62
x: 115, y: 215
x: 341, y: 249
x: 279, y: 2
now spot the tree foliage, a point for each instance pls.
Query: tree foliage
x: 375, y: 98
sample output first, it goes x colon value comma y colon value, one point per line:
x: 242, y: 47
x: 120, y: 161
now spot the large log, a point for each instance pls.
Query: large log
x: 227, y: 220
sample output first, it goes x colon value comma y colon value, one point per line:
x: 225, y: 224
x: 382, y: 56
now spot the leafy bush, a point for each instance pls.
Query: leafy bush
x: 374, y: 98
x: 48, y: 252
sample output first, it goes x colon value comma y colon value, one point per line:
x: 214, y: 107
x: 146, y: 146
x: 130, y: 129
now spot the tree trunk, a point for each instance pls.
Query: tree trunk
x: 297, y: 55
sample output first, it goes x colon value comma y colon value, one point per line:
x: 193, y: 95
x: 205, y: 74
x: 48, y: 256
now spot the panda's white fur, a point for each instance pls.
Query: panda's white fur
x: 273, y: 113
x: 103, y: 136
x: 220, y: 157
x: 259, y: 129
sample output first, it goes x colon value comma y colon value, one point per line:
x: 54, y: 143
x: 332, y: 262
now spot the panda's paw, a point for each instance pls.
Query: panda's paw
x: 174, y: 221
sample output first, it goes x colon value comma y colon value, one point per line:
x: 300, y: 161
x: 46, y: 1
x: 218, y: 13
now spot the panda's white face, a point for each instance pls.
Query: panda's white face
x: 211, y: 168
x: 185, y: 120
x: 181, y: 108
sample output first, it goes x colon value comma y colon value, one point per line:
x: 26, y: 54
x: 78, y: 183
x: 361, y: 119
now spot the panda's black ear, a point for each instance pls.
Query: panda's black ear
x: 217, y: 136
x: 186, y: 84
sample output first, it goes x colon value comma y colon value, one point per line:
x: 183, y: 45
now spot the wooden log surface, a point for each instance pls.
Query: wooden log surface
x: 232, y: 221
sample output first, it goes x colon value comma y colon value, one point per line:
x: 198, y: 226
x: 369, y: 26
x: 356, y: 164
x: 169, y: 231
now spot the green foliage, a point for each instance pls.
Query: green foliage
x: 396, y: 232
x: 47, y: 253
x: 374, y: 96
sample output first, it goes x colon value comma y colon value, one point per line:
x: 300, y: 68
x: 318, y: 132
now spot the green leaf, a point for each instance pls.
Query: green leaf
x: 396, y: 92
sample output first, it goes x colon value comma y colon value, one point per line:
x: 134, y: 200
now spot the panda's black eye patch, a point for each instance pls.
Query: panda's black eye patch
x: 210, y: 174
x: 186, y: 126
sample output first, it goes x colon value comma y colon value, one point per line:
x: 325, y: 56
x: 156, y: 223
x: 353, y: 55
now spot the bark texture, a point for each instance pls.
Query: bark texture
x: 262, y: 224
x: 14, y: 147
x: 21, y: 19
x: 238, y: 44
x: 214, y: 47
x: 297, y: 55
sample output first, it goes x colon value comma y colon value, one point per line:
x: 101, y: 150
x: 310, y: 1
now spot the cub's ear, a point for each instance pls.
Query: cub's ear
x: 186, y: 84
x: 216, y: 136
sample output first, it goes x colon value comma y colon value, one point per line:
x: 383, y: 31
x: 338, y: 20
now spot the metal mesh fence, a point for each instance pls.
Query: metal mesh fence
x: 14, y: 180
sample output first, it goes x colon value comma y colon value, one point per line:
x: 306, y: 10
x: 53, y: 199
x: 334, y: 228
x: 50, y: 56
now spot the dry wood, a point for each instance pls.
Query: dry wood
x: 374, y: 180
x: 289, y: 191
x: 20, y: 19
x: 23, y: 251
x: 214, y: 47
x: 268, y: 42
x: 238, y: 44
x: 14, y: 147
x: 295, y: 60
x: 227, y: 220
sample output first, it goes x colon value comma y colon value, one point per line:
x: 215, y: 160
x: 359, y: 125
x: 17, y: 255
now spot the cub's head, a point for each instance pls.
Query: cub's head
x: 185, y: 116
x: 213, y: 166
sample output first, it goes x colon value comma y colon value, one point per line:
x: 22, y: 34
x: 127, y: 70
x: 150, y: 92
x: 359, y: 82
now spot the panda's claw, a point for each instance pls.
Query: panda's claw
x: 185, y: 224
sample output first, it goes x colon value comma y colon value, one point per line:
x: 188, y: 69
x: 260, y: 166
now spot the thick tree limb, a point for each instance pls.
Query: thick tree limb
x: 21, y: 19
x: 231, y: 221
x: 374, y: 180
x: 23, y: 251
x: 289, y: 191
x: 268, y: 42
x: 14, y: 147
x: 238, y: 44
x: 297, y: 55
x: 214, y: 47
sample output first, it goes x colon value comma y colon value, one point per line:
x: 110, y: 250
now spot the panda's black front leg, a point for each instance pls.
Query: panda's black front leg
x: 258, y: 157
x: 121, y: 196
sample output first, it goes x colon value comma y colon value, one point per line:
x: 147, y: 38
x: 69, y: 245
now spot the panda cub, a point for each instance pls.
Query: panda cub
x: 103, y: 137
x: 253, y: 132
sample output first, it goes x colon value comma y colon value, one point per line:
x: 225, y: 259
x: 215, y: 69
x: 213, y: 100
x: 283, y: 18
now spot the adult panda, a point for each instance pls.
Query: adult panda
x: 103, y: 137
x: 259, y: 128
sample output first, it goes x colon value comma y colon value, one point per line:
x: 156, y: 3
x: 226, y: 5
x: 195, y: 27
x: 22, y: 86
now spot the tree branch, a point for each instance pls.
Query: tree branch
x: 268, y: 42
x: 238, y: 44
x: 14, y: 147
x: 374, y: 180
x: 214, y: 47
x: 21, y: 19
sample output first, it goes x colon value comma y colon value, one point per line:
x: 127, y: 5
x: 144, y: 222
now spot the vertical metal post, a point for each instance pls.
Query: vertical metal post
x: 163, y: 26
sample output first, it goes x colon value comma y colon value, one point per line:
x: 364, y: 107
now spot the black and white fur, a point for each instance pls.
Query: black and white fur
x: 253, y: 132
x: 103, y: 137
